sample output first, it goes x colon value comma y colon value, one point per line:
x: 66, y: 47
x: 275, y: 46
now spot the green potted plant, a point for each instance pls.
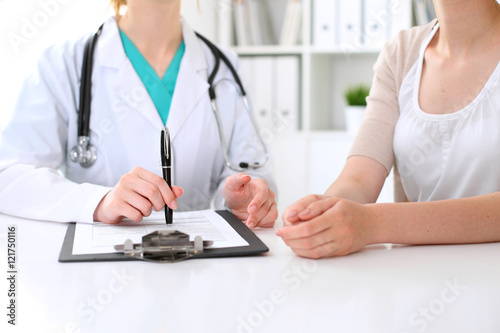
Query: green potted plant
x: 355, y: 97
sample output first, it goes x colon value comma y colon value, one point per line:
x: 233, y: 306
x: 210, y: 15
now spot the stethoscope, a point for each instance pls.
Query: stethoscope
x: 86, y: 154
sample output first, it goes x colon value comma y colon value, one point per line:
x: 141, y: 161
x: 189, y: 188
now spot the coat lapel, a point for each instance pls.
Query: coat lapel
x: 131, y: 91
x: 191, y: 85
x: 127, y: 85
x: 190, y: 88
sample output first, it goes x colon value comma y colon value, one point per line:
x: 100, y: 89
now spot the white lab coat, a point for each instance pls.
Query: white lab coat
x: 37, y: 178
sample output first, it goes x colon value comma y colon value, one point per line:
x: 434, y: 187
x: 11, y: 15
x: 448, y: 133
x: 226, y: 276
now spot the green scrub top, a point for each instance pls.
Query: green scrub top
x: 160, y: 90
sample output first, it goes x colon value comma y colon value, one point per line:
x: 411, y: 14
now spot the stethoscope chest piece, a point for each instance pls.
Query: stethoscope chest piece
x: 83, y: 153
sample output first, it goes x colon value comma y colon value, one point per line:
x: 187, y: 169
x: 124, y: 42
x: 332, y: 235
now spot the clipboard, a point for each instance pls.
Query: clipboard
x: 255, y: 247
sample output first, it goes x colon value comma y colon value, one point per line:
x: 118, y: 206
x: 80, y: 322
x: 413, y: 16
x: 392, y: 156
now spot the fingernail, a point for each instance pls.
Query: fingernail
x: 278, y: 232
x: 306, y: 212
x: 252, y: 209
x: 293, y: 213
x: 251, y: 225
x: 173, y: 204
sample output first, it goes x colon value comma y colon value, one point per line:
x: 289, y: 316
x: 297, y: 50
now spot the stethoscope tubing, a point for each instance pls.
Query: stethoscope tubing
x: 86, y: 154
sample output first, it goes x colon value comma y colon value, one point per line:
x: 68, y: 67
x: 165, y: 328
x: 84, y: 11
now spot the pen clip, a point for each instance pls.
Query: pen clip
x: 165, y: 146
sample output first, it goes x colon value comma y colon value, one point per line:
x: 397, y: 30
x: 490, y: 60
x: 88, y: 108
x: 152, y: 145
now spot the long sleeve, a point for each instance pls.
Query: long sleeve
x: 33, y: 148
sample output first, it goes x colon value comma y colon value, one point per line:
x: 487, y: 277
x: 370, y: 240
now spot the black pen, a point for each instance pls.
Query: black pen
x: 166, y: 163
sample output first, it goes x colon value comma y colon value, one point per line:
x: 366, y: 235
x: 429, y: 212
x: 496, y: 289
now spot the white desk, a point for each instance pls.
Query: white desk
x: 381, y: 289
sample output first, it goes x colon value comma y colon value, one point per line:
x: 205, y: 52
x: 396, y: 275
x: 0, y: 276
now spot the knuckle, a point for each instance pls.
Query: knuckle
x: 273, y: 215
x: 158, y: 181
x: 145, y: 209
x: 315, y: 197
x: 308, y: 229
x: 126, y: 178
x: 341, y: 215
x: 316, y: 253
x: 331, y: 200
x: 136, y: 217
x: 136, y: 170
x: 119, y: 207
x: 316, y: 205
x: 149, y: 191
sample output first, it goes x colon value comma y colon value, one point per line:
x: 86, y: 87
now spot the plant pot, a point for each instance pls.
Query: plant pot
x: 353, y: 116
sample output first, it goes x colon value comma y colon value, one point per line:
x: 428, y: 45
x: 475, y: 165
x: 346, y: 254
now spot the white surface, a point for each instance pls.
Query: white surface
x: 381, y: 289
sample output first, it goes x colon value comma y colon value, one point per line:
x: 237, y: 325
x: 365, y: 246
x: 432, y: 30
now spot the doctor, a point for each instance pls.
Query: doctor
x: 150, y: 70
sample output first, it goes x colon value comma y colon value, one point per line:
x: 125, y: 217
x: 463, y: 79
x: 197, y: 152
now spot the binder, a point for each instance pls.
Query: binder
x: 290, y: 32
x: 262, y: 91
x: 243, y: 38
x: 256, y: 246
x: 260, y: 22
x: 424, y: 12
x: 273, y: 82
x: 224, y: 23
x: 285, y: 119
x: 325, y: 13
x: 350, y: 24
x: 401, y: 16
x: 376, y: 23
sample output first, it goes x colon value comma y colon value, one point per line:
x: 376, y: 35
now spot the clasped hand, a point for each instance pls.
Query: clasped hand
x: 318, y: 226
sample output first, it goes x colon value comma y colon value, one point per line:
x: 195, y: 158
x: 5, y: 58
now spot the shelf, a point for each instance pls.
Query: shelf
x: 339, y: 51
x: 270, y: 50
x: 266, y: 50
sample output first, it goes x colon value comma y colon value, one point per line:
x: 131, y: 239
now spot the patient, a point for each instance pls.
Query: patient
x: 434, y: 115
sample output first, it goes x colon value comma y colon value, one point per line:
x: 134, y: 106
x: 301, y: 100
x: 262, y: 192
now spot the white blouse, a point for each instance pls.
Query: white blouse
x: 446, y: 156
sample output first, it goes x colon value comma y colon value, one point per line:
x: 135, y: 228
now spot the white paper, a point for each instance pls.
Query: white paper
x: 100, y: 237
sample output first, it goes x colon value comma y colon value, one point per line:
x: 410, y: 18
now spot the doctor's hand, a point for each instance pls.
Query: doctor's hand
x: 251, y: 200
x: 135, y: 196
x: 319, y: 226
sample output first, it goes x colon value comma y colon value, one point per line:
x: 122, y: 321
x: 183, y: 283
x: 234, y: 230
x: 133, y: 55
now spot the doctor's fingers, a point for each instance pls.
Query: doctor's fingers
x: 261, y: 194
x: 236, y: 182
x: 131, y: 185
x: 291, y: 213
x: 135, y: 206
x: 153, y: 187
x: 264, y: 217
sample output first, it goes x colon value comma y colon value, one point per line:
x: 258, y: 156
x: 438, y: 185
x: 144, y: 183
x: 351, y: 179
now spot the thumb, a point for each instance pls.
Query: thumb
x: 178, y: 191
x: 237, y: 181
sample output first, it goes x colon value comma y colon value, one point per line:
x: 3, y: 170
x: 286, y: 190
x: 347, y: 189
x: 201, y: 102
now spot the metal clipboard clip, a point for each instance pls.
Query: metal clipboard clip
x: 164, y: 246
